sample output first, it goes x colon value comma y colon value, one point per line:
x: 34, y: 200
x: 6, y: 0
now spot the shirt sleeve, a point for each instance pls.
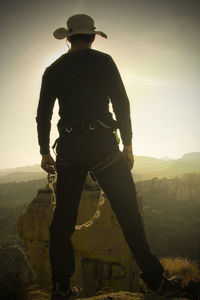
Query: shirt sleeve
x: 120, y: 102
x: 45, y: 111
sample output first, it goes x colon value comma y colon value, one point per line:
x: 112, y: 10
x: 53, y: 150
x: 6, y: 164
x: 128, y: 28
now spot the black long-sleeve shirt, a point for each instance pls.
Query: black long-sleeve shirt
x: 84, y: 82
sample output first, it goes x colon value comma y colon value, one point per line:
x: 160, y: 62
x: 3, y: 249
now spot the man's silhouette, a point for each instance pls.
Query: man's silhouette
x: 84, y: 81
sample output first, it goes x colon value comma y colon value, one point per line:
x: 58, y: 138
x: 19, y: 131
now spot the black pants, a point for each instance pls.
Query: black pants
x: 77, y: 152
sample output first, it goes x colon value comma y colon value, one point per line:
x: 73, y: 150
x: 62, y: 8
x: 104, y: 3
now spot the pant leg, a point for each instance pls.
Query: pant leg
x: 117, y: 182
x: 70, y: 182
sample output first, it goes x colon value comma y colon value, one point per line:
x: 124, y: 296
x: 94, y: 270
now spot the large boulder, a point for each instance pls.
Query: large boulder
x: 15, y: 273
x: 103, y: 259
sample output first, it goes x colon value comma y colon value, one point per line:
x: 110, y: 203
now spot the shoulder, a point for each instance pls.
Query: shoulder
x: 55, y: 65
x: 101, y: 55
x: 104, y: 59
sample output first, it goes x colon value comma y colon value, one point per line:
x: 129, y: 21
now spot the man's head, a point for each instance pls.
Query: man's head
x: 81, y: 38
x: 78, y: 25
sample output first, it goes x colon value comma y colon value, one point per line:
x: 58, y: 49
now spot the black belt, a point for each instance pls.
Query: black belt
x: 86, y: 123
x: 91, y: 124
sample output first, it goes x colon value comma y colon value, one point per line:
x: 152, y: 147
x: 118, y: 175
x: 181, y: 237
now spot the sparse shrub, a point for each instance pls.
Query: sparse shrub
x: 187, y: 269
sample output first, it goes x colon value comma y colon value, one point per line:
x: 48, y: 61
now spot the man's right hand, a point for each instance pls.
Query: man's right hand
x: 128, y: 155
x: 48, y: 164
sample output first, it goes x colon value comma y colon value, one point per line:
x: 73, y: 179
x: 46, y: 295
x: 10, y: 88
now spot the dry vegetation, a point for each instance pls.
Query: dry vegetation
x: 187, y: 269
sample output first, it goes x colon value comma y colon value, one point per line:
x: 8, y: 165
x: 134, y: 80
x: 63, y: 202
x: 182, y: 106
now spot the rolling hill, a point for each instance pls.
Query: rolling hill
x: 144, y: 168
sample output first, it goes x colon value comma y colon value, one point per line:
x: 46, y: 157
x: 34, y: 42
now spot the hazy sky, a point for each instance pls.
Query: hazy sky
x: 155, y: 44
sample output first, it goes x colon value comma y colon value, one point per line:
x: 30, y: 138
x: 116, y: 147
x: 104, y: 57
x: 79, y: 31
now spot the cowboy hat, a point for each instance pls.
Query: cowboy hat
x: 77, y: 24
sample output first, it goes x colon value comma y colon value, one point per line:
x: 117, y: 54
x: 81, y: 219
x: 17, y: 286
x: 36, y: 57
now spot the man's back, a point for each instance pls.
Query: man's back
x: 80, y: 81
x: 84, y: 82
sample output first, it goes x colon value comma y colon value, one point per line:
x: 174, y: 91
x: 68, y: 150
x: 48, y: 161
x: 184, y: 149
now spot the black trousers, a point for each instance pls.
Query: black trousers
x: 77, y: 152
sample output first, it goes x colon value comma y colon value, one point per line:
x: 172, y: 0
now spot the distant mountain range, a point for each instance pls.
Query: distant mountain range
x: 148, y: 167
x: 33, y: 168
x: 22, y: 174
x: 144, y: 168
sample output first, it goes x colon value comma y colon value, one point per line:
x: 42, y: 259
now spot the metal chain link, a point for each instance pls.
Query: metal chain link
x: 52, y: 179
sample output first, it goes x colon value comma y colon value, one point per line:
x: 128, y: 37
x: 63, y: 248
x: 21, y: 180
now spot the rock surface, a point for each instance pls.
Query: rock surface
x: 103, y: 259
x: 15, y: 273
x: 38, y: 294
x: 183, y: 188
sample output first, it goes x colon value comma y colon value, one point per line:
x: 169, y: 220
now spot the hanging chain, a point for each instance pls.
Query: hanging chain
x: 51, y: 181
x: 96, y: 215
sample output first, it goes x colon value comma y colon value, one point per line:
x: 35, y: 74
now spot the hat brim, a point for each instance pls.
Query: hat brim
x: 62, y: 33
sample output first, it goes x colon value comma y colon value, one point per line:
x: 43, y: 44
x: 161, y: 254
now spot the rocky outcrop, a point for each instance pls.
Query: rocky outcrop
x: 189, y: 187
x: 183, y: 188
x: 122, y: 295
x: 91, y: 184
x: 15, y: 273
x: 35, y: 293
x: 103, y: 259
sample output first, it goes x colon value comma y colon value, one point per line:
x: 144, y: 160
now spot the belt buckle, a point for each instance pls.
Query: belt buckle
x: 92, y: 126
x: 68, y: 129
